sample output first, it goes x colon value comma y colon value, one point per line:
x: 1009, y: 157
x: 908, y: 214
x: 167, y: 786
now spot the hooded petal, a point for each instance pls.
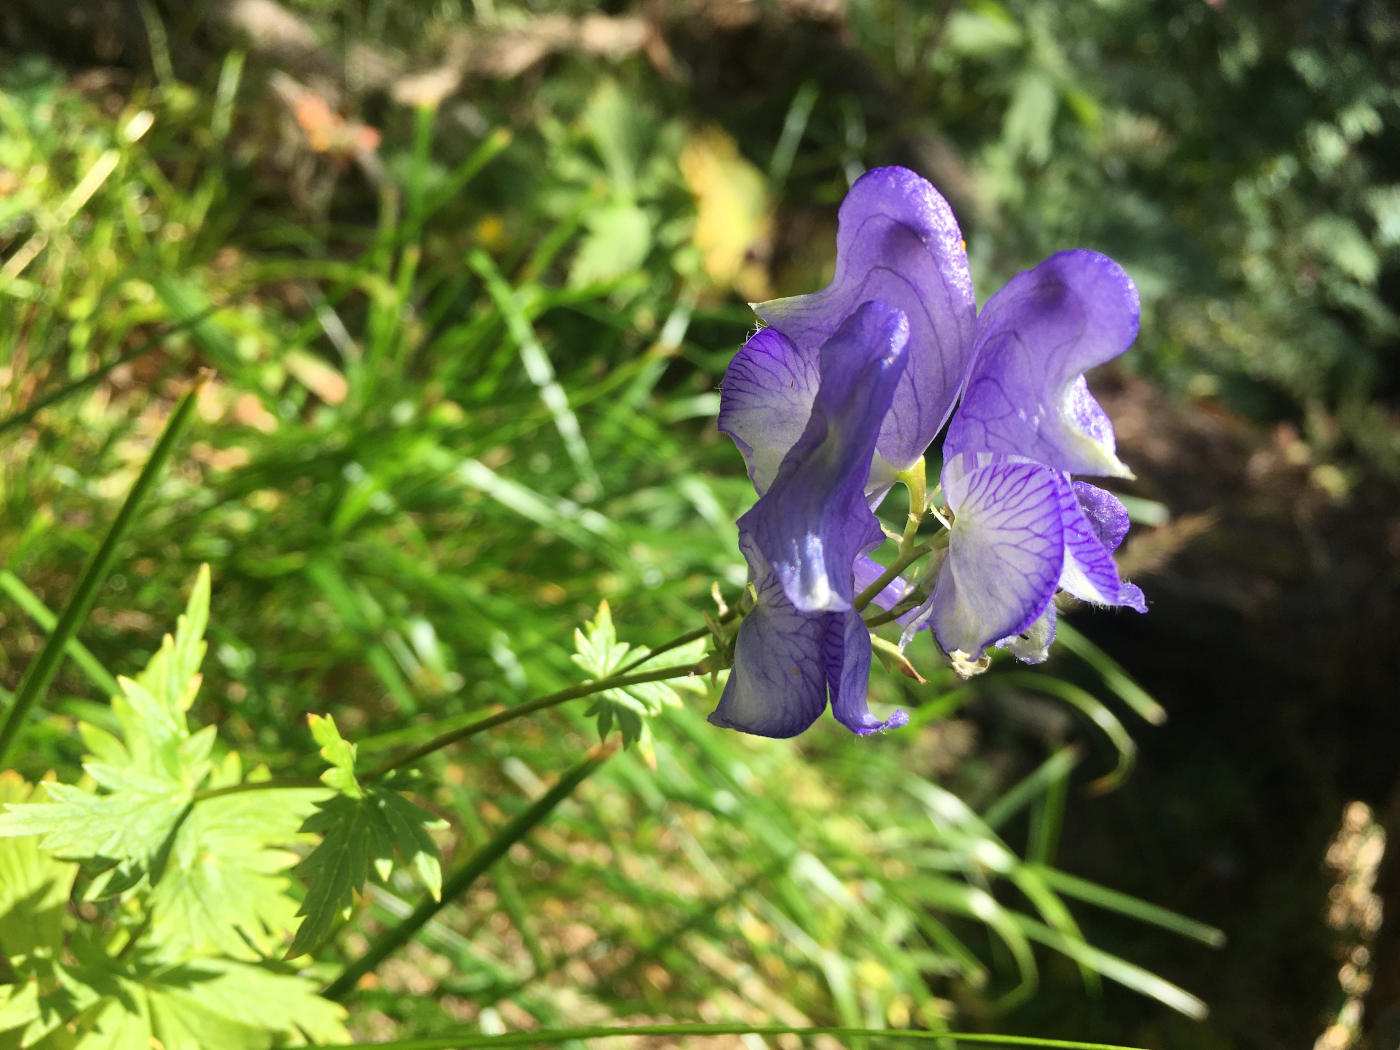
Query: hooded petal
x: 897, y: 242
x: 1035, y: 339
x: 814, y: 520
x: 848, y: 674
x: 1005, y: 553
x: 765, y: 400
x: 778, y: 684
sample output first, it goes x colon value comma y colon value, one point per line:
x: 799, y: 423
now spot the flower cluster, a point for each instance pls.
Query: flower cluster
x: 842, y: 393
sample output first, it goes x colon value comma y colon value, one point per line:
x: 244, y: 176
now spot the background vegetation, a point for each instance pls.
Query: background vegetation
x: 464, y: 276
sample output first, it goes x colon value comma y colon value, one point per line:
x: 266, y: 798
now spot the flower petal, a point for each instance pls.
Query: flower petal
x: 1104, y: 512
x: 1089, y: 572
x: 848, y: 674
x: 1005, y: 553
x: 1035, y: 339
x: 1032, y: 646
x: 778, y: 684
x: 814, y: 520
x: 897, y: 242
x: 765, y: 400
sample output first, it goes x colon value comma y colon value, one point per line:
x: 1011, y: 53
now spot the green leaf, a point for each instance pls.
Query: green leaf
x: 617, y: 127
x: 41, y: 671
x: 171, y: 676
x: 130, y: 829
x: 205, y: 1004
x: 1030, y: 116
x: 34, y: 891
x: 597, y: 649
x: 470, y: 1039
x: 985, y: 31
x: 19, y: 1005
x: 147, y: 775
x: 362, y: 835
x: 339, y: 752
x: 616, y: 241
x: 225, y: 887
x: 598, y: 652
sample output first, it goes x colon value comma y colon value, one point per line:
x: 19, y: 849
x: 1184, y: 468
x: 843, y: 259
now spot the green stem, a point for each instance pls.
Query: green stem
x: 906, y: 557
x: 615, y: 681
x: 915, y: 599
x: 915, y: 479
x: 677, y: 642
x: 460, y: 880
x: 40, y: 673
x: 259, y: 785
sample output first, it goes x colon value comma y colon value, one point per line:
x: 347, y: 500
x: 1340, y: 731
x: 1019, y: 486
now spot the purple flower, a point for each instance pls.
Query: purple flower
x: 848, y: 386
x: 786, y: 661
x: 1021, y: 528
x: 896, y: 243
x: 801, y: 539
x: 1035, y: 339
x: 1020, y: 531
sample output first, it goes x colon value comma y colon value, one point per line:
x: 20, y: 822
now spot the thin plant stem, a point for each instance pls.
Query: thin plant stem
x: 905, y: 559
x: 276, y: 783
x: 915, y: 479
x: 615, y: 681
x: 460, y: 880
x: 40, y: 673
x: 912, y: 602
x: 677, y: 642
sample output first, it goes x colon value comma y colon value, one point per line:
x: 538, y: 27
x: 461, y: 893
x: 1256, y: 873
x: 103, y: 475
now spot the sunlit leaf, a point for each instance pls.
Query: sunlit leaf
x: 362, y: 835
x: 34, y: 887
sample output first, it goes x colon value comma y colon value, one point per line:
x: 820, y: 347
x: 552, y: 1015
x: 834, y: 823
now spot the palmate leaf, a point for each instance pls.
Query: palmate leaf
x: 128, y: 831
x: 149, y: 773
x: 339, y: 752
x: 598, y: 652
x: 34, y: 891
x: 225, y: 887
x: 151, y: 708
x: 361, y: 837
x: 597, y: 649
x: 205, y: 1004
x: 363, y: 829
x: 19, y: 1007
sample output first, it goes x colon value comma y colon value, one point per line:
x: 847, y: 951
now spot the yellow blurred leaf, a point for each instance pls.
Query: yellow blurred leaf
x: 733, y: 223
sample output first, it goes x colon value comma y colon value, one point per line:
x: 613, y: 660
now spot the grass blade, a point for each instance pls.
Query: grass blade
x: 1117, y: 679
x: 537, y: 366
x: 40, y: 614
x: 1123, y: 904
x: 1031, y: 787
x: 40, y: 673
x: 96, y: 376
x: 1092, y: 708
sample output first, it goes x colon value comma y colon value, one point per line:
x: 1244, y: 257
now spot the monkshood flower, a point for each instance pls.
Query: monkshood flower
x: 1021, y: 527
x: 804, y: 636
x: 842, y: 394
x: 896, y: 243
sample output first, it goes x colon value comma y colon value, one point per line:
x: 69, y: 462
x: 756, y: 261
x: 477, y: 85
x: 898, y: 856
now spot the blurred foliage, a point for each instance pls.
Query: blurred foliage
x: 465, y: 364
